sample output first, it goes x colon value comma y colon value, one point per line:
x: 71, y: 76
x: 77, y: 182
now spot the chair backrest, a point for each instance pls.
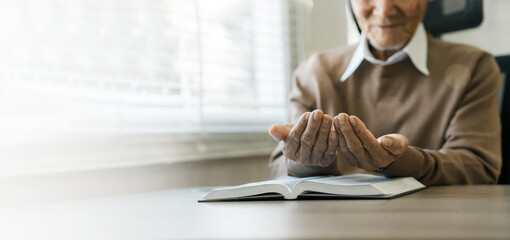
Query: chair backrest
x: 504, y: 106
x: 444, y: 16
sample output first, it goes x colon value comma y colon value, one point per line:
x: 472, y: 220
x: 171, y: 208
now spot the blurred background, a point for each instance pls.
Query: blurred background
x: 105, y: 97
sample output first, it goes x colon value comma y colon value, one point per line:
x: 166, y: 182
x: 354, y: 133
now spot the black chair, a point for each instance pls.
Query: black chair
x: 450, y: 16
x: 504, y: 106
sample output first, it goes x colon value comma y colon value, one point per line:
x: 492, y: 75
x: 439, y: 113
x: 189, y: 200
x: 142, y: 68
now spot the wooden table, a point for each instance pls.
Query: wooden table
x: 450, y: 212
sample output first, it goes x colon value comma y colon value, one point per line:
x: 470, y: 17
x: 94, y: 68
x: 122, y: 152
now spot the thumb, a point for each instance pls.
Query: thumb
x: 279, y: 132
x: 394, y: 143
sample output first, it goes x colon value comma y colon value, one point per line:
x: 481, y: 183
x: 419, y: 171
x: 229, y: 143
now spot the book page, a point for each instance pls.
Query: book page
x: 346, y: 185
x: 291, y: 181
x: 402, y: 185
x: 360, y: 185
x: 351, y: 180
x: 281, y: 186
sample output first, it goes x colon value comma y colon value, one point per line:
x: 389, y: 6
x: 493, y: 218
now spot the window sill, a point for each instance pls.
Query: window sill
x: 77, y: 153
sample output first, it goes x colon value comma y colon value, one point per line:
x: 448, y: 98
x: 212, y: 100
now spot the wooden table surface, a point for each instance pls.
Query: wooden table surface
x: 449, y: 212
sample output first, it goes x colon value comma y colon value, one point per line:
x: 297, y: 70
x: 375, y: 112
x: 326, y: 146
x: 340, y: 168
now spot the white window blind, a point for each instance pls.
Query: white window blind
x: 166, y: 78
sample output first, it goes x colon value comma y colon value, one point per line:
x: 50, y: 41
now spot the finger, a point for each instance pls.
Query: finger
x: 396, y: 144
x: 354, y: 143
x: 292, y: 142
x: 308, y: 138
x: 329, y: 155
x: 371, y: 145
x: 342, y: 145
x: 279, y: 132
x: 321, y: 143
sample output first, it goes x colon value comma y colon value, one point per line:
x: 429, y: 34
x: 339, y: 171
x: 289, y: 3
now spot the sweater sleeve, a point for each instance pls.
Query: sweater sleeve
x: 471, y: 153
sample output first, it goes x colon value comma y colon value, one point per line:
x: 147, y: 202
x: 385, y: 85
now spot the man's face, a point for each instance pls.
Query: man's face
x: 389, y: 24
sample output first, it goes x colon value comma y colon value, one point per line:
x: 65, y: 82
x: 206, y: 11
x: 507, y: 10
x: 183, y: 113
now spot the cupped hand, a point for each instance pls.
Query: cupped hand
x: 361, y: 149
x: 309, y: 142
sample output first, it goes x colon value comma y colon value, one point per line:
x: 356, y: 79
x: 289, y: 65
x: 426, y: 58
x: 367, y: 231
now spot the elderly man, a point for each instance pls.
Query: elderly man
x: 433, y: 104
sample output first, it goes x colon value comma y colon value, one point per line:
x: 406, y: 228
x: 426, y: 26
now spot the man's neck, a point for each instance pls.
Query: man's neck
x: 382, y: 54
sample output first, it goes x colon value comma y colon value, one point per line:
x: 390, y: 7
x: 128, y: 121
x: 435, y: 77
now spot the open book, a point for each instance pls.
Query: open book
x: 346, y: 186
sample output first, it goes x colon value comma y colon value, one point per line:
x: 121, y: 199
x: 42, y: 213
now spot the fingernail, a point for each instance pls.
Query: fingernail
x: 317, y: 115
x: 335, y: 120
x: 342, y: 119
x: 352, y: 120
x: 307, y: 115
x: 387, y: 142
x: 326, y: 120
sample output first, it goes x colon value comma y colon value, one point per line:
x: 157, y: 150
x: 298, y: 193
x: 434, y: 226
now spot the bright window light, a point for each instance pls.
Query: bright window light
x: 120, y: 67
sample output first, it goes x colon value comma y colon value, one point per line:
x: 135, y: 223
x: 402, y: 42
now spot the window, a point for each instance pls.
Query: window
x: 94, y: 83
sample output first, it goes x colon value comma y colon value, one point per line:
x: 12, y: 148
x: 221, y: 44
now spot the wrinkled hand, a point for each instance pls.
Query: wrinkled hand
x: 309, y: 142
x: 361, y: 149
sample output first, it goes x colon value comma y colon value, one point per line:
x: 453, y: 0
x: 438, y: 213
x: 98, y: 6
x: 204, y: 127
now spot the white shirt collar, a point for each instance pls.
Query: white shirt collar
x: 416, y: 50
